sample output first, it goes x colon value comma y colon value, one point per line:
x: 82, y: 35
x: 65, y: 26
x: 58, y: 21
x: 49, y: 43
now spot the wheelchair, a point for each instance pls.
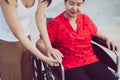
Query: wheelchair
x: 42, y: 71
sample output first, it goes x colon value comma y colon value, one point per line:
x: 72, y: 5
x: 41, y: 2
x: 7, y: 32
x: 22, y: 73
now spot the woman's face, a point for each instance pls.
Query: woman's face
x: 73, y: 7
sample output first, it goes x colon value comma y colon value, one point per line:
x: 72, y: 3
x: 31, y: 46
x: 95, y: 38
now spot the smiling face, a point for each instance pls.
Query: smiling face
x: 73, y: 7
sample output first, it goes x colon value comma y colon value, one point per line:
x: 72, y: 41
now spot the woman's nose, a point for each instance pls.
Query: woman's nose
x: 74, y: 7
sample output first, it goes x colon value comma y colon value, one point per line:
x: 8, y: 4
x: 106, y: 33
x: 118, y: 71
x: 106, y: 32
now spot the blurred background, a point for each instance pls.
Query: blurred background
x: 103, y: 12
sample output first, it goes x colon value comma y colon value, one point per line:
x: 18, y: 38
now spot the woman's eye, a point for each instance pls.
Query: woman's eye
x: 71, y: 4
x: 79, y: 4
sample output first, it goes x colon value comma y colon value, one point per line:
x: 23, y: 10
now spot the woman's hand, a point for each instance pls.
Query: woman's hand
x: 111, y: 45
x: 50, y: 61
x: 55, y: 54
x: 49, y: 51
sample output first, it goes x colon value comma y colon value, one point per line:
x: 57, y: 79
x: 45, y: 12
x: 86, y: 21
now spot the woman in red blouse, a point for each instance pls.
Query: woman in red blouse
x: 70, y: 33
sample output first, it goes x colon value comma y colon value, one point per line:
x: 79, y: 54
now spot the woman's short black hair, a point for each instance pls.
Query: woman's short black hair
x: 47, y: 1
x: 6, y: 1
x: 66, y: 0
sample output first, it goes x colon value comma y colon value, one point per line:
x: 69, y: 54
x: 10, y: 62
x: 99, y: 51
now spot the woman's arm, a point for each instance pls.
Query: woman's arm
x: 109, y: 43
x: 10, y: 14
x: 41, y: 23
x: 55, y: 54
x: 41, y: 46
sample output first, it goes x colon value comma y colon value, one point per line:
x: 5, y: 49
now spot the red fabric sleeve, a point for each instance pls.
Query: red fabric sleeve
x: 92, y: 26
x: 52, y: 30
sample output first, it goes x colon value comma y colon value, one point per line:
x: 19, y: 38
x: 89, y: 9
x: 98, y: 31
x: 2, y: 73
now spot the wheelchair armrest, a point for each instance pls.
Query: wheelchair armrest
x: 101, y: 42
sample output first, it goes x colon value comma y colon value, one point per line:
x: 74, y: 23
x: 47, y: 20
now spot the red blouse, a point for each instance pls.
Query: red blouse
x: 74, y: 45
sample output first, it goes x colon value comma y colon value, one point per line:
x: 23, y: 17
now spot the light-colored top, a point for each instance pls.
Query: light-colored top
x: 24, y: 14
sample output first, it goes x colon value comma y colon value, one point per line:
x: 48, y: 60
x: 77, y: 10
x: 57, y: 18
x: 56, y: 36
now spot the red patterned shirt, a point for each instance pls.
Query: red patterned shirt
x: 73, y: 44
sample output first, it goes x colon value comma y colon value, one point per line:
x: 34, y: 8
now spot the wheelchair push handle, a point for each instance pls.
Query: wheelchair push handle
x: 118, y: 64
x: 63, y: 72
